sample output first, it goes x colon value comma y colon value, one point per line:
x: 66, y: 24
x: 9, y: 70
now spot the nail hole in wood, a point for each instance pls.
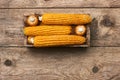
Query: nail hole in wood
x: 8, y: 62
x: 95, y: 69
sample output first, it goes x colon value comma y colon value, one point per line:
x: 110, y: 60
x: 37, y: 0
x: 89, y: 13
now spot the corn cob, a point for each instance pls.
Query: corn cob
x: 80, y: 30
x: 51, y: 18
x: 47, y: 30
x: 32, y: 20
x: 57, y: 40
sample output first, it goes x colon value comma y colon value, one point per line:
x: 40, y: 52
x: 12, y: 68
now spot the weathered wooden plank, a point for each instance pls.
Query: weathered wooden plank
x: 0, y: 67
x: 101, y: 63
x: 58, y: 3
x: 105, y: 28
x: 37, y: 77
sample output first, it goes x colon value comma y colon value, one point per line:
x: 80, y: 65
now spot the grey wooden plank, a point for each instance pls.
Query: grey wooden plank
x: 105, y: 28
x: 37, y: 77
x: 93, y: 63
x: 57, y: 3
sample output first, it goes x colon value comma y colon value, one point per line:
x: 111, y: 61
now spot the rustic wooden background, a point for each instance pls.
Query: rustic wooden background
x: 99, y: 62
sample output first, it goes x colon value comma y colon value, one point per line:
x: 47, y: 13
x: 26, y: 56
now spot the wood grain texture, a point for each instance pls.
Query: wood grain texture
x: 58, y: 3
x: 93, y: 63
x: 99, y: 62
x: 105, y: 28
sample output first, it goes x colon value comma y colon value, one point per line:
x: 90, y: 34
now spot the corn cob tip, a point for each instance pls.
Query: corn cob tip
x: 32, y: 20
x: 80, y: 30
x: 25, y: 31
x: 89, y: 18
x: 30, y: 40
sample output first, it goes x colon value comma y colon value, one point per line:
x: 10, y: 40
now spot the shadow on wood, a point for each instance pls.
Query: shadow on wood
x: 58, y: 50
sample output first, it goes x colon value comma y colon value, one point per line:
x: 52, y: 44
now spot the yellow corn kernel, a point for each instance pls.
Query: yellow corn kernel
x: 53, y: 18
x: 57, y: 40
x: 47, y: 30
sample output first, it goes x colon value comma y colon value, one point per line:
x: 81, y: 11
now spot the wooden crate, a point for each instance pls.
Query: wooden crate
x: 87, y: 35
